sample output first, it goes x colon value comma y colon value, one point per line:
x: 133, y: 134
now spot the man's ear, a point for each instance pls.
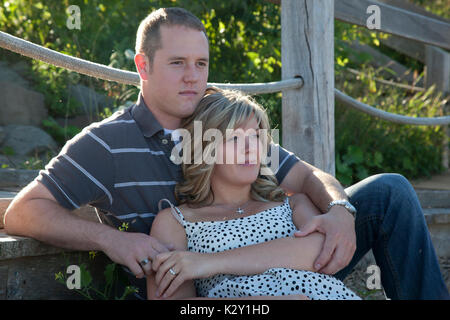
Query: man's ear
x: 142, y: 65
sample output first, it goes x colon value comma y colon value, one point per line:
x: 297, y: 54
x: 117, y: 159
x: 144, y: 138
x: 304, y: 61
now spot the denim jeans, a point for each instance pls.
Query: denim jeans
x: 390, y: 221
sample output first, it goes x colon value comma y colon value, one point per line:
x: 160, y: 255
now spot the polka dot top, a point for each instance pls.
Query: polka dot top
x: 267, y: 225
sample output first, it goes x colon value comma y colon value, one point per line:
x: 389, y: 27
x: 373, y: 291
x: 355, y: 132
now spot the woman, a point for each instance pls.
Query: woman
x: 227, y: 204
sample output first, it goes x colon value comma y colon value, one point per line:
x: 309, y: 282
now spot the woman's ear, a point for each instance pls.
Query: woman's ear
x: 142, y: 65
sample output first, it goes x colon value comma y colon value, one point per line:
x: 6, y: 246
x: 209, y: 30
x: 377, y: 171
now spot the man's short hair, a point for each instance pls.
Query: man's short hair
x: 148, y: 38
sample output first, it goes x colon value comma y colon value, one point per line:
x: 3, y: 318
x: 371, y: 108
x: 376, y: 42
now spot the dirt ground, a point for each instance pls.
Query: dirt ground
x: 357, y: 281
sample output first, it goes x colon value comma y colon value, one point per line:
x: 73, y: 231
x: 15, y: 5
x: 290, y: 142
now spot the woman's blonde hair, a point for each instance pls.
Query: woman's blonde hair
x: 222, y: 110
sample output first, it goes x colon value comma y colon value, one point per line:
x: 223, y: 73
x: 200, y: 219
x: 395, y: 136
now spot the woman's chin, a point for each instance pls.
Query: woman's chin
x: 247, y: 174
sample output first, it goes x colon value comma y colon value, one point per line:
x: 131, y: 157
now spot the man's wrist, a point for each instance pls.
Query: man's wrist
x: 105, y: 238
x: 342, y: 203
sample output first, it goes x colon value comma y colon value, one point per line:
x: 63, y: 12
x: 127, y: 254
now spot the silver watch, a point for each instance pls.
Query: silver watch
x: 347, y: 205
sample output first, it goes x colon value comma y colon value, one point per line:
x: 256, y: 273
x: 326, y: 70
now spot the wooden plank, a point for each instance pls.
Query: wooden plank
x: 307, y: 50
x: 33, y: 277
x: 396, y: 21
x: 3, y: 282
x: 19, y: 178
x: 384, y: 61
x: 408, y: 6
x: 411, y: 48
x: 408, y: 47
x: 13, y: 247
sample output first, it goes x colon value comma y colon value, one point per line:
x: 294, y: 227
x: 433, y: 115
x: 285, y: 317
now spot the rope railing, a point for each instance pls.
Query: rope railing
x: 349, y: 101
x: 261, y: 88
x: 100, y: 71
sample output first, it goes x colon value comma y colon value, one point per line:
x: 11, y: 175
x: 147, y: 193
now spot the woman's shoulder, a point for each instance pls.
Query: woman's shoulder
x: 165, y: 220
x: 167, y: 229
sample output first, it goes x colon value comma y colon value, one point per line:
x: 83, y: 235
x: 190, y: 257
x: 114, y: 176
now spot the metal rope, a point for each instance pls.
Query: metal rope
x: 100, y: 71
x: 437, y: 121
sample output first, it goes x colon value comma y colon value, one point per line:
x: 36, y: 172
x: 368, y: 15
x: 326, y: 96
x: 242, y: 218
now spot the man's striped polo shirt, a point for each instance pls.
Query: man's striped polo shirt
x: 122, y: 167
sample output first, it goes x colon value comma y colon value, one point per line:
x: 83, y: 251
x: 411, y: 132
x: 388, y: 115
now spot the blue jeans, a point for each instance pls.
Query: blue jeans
x: 390, y: 221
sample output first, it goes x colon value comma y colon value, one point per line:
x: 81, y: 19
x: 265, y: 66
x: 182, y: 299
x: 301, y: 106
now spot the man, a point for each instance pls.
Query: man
x: 122, y: 167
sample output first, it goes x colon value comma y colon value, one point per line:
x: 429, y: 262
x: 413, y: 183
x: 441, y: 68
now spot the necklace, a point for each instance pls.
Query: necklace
x: 240, y: 209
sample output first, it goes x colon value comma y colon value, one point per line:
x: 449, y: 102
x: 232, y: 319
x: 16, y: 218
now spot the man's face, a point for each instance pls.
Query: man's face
x: 178, y: 77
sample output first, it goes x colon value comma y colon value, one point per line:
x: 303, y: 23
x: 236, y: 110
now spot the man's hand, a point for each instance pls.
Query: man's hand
x: 130, y: 248
x: 338, y: 226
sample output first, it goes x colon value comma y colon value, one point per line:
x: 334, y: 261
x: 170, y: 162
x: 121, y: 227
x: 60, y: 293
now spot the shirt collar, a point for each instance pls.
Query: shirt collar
x: 145, y: 118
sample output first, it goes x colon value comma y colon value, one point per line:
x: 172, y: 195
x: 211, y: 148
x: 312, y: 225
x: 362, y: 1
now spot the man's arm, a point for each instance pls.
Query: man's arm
x: 35, y: 213
x: 337, y: 224
x: 319, y: 186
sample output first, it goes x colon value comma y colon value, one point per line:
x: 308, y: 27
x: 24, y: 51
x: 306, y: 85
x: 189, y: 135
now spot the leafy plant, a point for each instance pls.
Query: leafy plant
x: 381, y: 146
x: 90, y: 291
x: 60, y: 134
x: 245, y: 46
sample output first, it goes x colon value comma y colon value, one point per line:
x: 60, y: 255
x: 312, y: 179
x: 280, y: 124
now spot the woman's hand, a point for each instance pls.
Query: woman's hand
x: 174, y: 268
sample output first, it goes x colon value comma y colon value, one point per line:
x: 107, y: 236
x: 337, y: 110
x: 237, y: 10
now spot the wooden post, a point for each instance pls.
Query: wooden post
x: 307, y: 50
x: 438, y: 73
x: 438, y: 68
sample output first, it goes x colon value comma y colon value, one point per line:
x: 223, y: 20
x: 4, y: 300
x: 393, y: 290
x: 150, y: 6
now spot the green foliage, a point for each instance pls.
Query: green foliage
x: 245, y: 46
x: 8, y: 151
x: 355, y: 164
x: 60, y: 134
x: 366, y: 145
x: 33, y: 163
x: 90, y: 291
x: 438, y: 7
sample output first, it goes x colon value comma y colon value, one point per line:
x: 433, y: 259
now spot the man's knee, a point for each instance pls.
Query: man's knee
x: 377, y: 193
x: 396, y: 185
x: 384, y: 183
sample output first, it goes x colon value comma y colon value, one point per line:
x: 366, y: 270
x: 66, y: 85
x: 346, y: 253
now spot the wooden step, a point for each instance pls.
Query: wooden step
x: 430, y: 198
x: 28, y: 268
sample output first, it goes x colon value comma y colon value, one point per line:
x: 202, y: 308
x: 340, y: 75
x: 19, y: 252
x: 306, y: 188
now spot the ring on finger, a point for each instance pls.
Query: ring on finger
x: 172, y: 272
x: 144, y: 262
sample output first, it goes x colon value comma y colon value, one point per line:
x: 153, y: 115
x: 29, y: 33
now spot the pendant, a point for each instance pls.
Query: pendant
x: 240, y: 211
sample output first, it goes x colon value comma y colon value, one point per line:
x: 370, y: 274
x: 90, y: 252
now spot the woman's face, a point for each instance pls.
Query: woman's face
x: 238, y: 156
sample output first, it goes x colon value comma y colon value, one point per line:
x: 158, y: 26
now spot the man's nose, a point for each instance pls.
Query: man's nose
x: 191, y: 74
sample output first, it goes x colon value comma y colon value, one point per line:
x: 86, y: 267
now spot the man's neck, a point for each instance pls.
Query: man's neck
x: 165, y: 120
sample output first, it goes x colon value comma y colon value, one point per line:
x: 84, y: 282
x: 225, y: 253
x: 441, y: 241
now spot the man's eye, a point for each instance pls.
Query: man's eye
x: 176, y: 62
